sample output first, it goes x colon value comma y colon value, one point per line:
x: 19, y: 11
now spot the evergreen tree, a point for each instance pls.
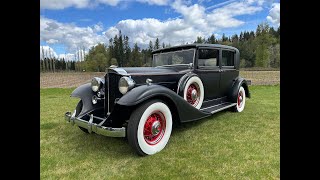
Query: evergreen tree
x: 149, y: 57
x: 211, y: 39
x: 136, y: 60
x: 156, y: 44
x: 200, y: 40
x: 224, y: 38
x: 127, y: 51
x: 120, y: 50
x: 263, y: 41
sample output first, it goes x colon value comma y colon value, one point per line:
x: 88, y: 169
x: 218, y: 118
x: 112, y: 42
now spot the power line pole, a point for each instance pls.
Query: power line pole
x: 78, y: 53
x: 80, y: 57
x: 50, y: 60
x: 47, y: 61
x: 54, y: 63
x: 43, y: 63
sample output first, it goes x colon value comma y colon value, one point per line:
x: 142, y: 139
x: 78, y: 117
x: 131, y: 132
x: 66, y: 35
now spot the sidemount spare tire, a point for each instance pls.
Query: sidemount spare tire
x: 193, y: 91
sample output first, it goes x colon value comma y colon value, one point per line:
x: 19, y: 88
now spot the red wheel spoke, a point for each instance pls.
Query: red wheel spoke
x: 193, y: 99
x: 154, y: 128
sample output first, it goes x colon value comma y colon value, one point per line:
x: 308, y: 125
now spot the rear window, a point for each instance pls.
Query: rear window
x: 208, y: 58
x: 227, y: 58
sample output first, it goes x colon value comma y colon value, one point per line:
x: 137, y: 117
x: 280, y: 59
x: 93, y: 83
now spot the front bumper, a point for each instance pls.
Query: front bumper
x: 93, y: 127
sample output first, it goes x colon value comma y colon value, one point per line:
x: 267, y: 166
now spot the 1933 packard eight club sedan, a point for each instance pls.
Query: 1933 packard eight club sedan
x: 185, y: 83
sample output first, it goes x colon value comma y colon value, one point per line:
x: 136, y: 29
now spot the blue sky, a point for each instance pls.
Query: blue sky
x: 67, y: 25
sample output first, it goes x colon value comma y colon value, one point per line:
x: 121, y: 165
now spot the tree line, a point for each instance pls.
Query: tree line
x: 257, y: 49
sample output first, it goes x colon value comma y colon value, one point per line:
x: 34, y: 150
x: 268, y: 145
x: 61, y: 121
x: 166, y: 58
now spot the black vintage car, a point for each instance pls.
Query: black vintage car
x: 185, y: 83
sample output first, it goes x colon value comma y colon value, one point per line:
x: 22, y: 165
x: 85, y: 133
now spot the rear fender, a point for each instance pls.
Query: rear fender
x: 233, y: 94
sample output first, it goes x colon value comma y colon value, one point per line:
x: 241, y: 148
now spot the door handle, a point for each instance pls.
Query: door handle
x: 220, y: 70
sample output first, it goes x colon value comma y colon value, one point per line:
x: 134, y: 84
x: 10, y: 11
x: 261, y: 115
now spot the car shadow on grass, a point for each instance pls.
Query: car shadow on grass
x: 113, y: 147
x: 192, y: 124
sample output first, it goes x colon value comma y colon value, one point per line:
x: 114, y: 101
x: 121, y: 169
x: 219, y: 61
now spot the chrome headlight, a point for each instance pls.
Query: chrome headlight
x: 125, y: 84
x: 96, y: 84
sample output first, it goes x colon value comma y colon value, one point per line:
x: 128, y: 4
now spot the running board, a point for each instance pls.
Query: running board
x: 218, y: 107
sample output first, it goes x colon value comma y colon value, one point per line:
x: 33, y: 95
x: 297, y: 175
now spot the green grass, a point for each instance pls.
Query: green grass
x: 225, y: 146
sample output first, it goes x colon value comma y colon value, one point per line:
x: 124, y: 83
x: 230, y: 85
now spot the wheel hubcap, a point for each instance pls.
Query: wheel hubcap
x: 154, y: 128
x: 240, y: 99
x: 193, y: 94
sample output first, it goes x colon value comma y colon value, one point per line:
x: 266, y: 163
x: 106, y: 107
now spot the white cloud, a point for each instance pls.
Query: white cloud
x: 78, y: 55
x: 155, y: 2
x: 47, y: 52
x: 195, y: 21
x: 62, y: 4
x: 67, y: 57
x: 52, y: 41
x: 274, y: 14
x: 72, y: 36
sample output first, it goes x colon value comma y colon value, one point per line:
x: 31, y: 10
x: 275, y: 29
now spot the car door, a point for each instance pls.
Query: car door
x: 207, y: 68
x: 228, y: 70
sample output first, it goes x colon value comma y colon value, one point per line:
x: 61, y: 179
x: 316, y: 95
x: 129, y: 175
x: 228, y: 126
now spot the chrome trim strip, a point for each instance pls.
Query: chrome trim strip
x: 121, y: 71
x: 215, y: 99
x: 214, y: 106
x: 233, y: 104
x: 93, y: 127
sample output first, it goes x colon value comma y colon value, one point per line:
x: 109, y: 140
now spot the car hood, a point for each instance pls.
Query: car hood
x: 146, y: 70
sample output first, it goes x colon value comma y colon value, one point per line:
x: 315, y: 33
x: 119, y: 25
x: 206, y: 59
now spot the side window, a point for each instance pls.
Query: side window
x: 227, y: 58
x: 208, y: 58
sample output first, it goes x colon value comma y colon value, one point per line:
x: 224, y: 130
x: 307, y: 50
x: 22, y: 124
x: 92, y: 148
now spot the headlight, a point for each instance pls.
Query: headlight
x: 96, y: 84
x: 125, y: 84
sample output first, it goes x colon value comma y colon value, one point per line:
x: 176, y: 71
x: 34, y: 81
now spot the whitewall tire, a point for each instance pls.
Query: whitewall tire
x: 150, y: 127
x: 241, y: 100
x: 193, y: 92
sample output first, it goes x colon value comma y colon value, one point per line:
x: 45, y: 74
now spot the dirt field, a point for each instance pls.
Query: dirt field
x: 74, y: 79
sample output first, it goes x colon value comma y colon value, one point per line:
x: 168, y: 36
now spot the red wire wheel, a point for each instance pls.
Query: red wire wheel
x: 154, y: 128
x: 193, y: 94
x: 149, y: 127
x: 240, y: 99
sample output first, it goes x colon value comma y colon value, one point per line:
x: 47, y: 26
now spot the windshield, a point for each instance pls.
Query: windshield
x: 182, y: 57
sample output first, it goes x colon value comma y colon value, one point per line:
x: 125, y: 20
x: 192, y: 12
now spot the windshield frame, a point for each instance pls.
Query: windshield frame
x: 193, y: 58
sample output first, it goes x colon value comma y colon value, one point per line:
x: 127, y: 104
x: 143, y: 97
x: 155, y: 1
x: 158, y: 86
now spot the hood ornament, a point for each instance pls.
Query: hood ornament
x: 148, y: 81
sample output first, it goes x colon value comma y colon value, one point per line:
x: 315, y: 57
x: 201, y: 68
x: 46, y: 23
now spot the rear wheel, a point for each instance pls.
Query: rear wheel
x: 78, y: 110
x: 150, y: 127
x: 241, y: 100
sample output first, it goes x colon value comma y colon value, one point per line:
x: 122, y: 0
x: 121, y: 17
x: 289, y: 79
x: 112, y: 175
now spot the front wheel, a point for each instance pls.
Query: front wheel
x: 150, y: 127
x: 241, y: 100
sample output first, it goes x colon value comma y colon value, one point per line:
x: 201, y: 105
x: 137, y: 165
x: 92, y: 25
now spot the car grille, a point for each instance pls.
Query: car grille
x: 112, y: 90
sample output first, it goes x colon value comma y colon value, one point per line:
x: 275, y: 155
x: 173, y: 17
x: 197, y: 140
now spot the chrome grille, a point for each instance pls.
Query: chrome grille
x: 112, y: 90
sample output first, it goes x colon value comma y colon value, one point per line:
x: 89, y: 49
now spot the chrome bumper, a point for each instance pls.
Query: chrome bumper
x: 93, y: 127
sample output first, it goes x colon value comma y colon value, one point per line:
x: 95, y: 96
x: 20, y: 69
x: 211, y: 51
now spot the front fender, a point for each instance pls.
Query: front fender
x: 233, y: 94
x: 85, y: 93
x: 183, y: 81
x: 143, y: 93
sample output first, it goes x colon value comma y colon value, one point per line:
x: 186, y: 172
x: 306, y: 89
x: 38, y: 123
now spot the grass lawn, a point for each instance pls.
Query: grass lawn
x: 226, y: 145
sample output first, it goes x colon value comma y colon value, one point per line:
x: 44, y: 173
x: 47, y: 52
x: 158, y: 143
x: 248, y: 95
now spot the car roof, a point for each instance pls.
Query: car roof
x: 187, y: 46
